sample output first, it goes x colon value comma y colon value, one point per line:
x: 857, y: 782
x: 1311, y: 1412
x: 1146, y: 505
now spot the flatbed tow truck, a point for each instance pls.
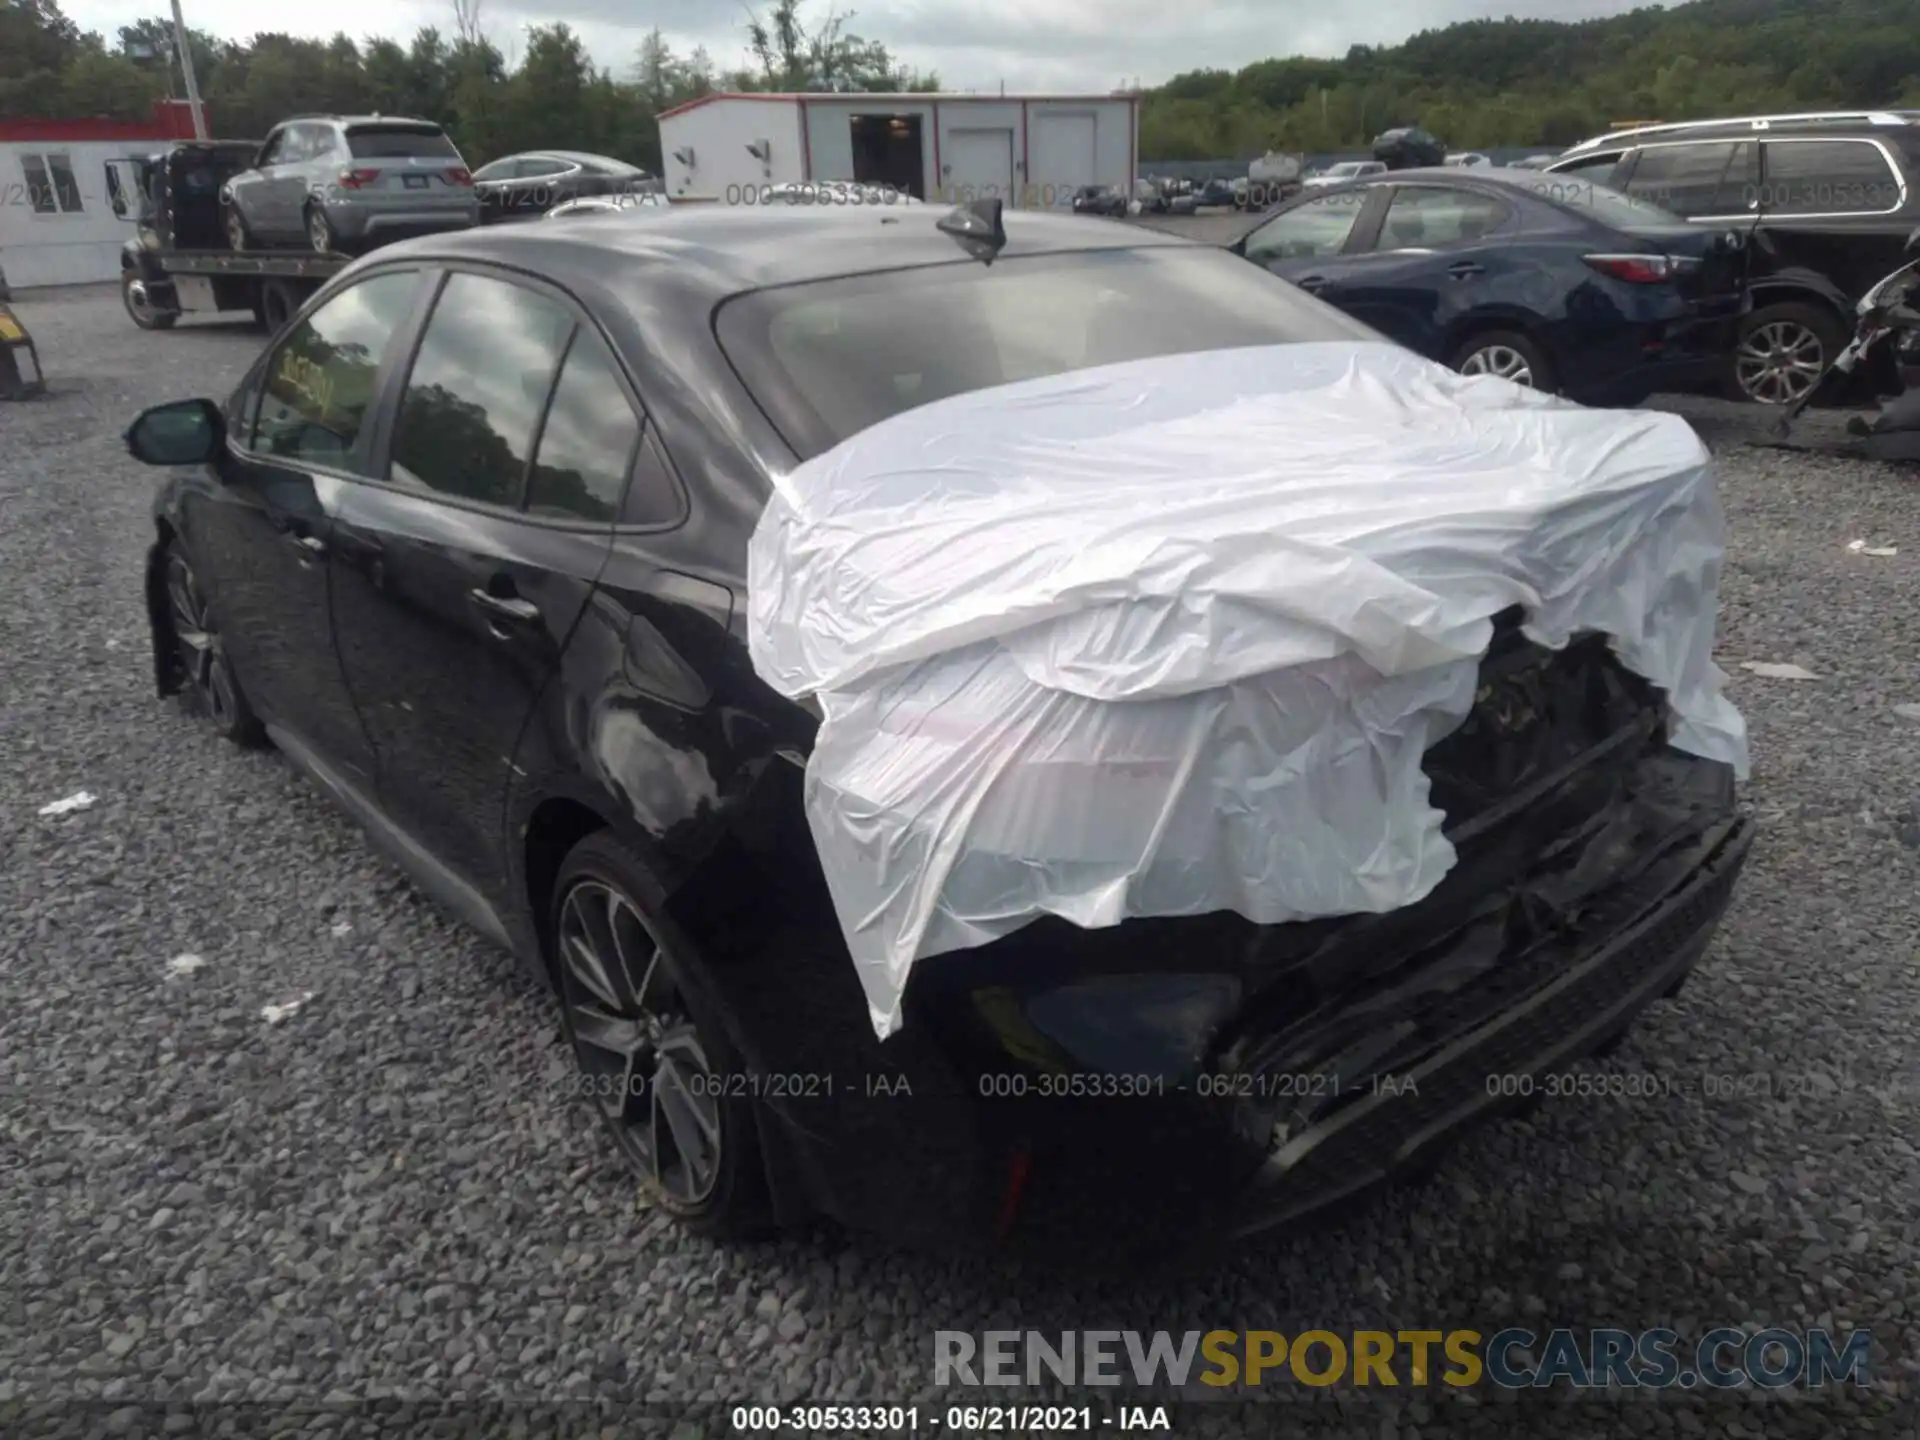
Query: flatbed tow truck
x: 176, y: 263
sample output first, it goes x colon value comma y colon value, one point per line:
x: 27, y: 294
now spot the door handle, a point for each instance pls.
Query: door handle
x: 506, y: 607
x: 306, y: 544
x: 1311, y: 282
x: 1465, y: 269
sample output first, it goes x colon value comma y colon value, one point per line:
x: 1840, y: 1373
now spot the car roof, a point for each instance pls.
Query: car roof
x: 1843, y: 123
x: 729, y: 249
x: 411, y: 122
x: 1461, y: 175
x: 578, y: 157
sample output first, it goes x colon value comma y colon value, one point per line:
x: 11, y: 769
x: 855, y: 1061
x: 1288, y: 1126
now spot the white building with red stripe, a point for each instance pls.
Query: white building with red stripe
x: 57, y: 225
x: 1032, y: 151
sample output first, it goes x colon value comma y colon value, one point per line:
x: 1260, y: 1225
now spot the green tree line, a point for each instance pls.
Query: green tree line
x: 1479, y: 84
x: 548, y: 95
x: 1548, y: 83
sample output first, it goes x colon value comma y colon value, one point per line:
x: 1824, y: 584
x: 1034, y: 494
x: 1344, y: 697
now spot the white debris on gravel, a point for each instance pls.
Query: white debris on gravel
x: 1860, y: 547
x: 185, y: 964
x: 1908, y: 712
x: 1768, y: 670
x: 79, y: 800
x: 302, y: 1256
x: 341, y: 929
x: 274, y: 1014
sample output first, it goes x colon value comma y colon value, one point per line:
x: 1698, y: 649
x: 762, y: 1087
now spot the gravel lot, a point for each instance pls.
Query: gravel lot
x: 383, y: 1195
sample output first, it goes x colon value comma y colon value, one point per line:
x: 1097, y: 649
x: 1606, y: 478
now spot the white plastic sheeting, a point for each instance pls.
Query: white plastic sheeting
x: 1172, y: 636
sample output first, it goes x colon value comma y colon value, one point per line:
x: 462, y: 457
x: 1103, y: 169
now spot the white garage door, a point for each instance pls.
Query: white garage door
x: 977, y: 165
x: 1062, y: 156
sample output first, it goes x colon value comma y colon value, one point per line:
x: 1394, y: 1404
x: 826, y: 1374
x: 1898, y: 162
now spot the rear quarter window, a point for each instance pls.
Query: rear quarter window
x: 1828, y: 177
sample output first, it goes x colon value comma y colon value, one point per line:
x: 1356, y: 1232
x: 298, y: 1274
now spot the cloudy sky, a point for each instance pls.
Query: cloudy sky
x: 1062, y: 45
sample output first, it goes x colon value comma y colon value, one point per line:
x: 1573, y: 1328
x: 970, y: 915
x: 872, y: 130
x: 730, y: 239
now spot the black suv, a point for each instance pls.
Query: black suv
x: 1832, y: 196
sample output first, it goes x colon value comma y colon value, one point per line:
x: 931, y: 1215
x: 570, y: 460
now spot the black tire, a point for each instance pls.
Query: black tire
x: 145, y: 314
x: 211, y: 688
x: 636, y: 986
x: 321, y: 237
x: 1506, y: 353
x: 277, y: 305
x: 239, y: 237
x: 1793, y: 333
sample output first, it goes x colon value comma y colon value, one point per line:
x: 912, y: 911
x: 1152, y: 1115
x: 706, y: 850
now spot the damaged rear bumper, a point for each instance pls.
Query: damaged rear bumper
x: 1404, y: 1120
x: 1332, y: 1056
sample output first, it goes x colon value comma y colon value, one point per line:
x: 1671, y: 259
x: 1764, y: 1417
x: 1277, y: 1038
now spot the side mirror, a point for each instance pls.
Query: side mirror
x: 187, y: 432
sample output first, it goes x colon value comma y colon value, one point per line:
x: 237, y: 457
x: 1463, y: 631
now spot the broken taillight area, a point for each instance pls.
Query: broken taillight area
x: 1535, y: 713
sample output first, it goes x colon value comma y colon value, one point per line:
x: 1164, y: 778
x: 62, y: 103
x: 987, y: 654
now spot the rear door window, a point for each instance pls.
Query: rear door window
x: 1690, y: 180
x: 1828, y: 177
x: 399, y: 142
x: 320, y: 384
x: 1422, y: 217
x: 478, y: 387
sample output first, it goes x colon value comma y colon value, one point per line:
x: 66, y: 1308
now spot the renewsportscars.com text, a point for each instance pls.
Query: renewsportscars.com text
x: 1512, y: 1358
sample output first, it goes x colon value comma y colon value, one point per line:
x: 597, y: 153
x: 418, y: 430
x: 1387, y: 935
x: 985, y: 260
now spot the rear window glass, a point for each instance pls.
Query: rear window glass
x: 393, y: 142
x: 829, y: 358
x: 1604, y: 203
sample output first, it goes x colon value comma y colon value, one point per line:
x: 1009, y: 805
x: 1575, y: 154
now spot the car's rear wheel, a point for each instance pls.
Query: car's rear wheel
x: 212, y: 688
x: 1782, y: 350
x: 276, y: 306
x: 1507, y: 354
x: 320, y: 231
x: 651, y: 1061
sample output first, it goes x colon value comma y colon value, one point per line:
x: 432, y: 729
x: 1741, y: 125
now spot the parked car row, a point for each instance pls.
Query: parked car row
x: 1830, y: 198
x: 1732, y: 252
x: 1826, y: 200
x: 1502, y: 272
x: 338, y: 184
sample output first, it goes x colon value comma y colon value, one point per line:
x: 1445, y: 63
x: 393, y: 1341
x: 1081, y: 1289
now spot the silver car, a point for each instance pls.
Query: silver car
x: 337, y: 183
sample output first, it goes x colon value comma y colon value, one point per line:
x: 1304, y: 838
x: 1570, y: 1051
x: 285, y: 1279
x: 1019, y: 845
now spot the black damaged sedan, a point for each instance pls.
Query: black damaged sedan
x: 468, y: 545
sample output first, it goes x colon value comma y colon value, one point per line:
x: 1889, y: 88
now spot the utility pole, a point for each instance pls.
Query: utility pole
x: 186, y: 70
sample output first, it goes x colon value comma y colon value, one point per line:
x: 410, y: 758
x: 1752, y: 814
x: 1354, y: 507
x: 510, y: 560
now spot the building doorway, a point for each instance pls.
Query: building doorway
x: 888, y: 150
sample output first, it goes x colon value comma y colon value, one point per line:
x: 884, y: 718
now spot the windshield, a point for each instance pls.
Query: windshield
x: 829, y: 358
x: 392, y: 142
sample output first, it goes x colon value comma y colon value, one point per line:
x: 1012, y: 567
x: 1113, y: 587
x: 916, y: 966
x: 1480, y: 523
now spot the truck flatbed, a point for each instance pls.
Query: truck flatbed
x: 290, y: 266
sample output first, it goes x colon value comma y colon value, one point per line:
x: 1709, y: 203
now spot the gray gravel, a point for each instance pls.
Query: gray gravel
x: 354, y: 1203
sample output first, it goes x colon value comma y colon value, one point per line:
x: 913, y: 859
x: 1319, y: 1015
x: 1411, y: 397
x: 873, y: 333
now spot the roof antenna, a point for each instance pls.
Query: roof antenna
x: 978, y: 228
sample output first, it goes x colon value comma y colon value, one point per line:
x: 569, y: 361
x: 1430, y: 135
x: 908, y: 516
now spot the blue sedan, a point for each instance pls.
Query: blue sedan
x: 1546, y: 280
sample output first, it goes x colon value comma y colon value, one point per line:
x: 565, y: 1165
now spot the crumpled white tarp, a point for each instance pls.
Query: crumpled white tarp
x: 1171, y: 636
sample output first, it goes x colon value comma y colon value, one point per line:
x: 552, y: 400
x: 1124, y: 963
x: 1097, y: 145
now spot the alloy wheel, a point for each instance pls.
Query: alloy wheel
x: 201, y: 652
x: 1501, y: 360
x: 639, y: 1051
x: 319, y: 233
x: 236, y: 231
x: 139, y: 304
x: 1779, y: 362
